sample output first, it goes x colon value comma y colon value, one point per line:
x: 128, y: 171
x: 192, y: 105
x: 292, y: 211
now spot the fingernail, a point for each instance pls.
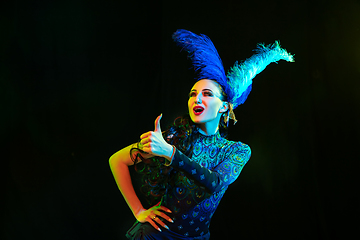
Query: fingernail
x: 159, y: 229
x: 167, y: 227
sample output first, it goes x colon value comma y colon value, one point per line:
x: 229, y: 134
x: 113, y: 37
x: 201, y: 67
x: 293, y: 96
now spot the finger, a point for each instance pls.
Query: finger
x: 147, y: 145
x: 161, y: 223
x: 147, y: 150
x: 157, y: 124
x: 144, y: 141
x: 145, y: 135
x: 150, y: 220
x: 165, y: 209
x: 164, y: 216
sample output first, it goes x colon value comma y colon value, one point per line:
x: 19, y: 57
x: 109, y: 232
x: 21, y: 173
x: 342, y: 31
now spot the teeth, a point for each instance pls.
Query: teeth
x: 198, y: 109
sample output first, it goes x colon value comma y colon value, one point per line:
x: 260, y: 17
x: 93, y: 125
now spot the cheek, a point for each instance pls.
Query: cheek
x: 190, y: 105
x: 215, y: 105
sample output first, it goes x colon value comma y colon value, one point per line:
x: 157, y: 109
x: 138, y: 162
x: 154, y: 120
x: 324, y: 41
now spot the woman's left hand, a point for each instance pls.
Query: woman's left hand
x: 153, y: 142
x: 152, y: 215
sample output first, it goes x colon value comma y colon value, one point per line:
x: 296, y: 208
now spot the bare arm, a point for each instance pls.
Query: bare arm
x: 119, y: 164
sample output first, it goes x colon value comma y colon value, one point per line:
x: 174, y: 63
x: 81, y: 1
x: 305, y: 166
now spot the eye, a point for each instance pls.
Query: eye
x: 192, y: 94
x: 208, y: 93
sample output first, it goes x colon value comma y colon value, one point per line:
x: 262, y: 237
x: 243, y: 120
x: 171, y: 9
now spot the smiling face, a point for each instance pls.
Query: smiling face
x: 205, y: 104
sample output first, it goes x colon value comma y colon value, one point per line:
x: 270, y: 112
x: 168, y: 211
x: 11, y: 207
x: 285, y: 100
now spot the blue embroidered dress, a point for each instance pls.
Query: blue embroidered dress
x: 199, y: 183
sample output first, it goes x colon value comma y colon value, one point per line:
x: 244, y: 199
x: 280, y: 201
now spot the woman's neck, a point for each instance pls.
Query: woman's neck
x: 208, y: 129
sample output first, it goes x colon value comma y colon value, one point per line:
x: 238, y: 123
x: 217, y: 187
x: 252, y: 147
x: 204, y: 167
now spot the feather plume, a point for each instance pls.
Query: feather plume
x: 207, y: 63
x: 204, y: 56
x: 240, y: 75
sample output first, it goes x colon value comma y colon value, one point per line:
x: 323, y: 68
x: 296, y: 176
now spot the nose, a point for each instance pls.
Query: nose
x: 198, y: 98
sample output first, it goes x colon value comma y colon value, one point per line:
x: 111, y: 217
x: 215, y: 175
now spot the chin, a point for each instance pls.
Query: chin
x: 196, y: 119
x: 199, y: 120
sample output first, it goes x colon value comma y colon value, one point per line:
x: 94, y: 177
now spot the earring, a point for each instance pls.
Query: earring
x: 227, y: 119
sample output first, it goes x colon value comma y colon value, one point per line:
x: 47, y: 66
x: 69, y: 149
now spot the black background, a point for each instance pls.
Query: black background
x: 82, y: 79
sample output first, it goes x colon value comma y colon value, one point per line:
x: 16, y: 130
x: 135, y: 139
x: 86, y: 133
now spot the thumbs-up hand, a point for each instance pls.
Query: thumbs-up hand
x: 153, y: 142
x: 157, y: 124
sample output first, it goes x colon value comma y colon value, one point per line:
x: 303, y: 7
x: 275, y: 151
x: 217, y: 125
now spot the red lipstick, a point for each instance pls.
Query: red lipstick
x: 198, y: 110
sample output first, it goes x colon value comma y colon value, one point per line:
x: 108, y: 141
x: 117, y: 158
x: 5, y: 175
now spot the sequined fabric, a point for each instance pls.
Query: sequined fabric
x: 199, y: 183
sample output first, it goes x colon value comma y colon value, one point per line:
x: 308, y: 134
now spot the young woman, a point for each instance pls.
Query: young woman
x: 188, y: 167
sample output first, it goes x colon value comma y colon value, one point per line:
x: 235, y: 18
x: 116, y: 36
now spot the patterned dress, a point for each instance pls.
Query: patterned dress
x: 197, y: 186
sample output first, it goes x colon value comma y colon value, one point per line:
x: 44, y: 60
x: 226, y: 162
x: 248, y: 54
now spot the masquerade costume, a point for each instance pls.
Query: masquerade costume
x: 198, y: 182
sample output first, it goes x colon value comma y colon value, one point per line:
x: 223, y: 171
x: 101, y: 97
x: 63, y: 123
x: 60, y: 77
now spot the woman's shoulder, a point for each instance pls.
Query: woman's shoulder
x: 237, y: 144
x: 239, y: 147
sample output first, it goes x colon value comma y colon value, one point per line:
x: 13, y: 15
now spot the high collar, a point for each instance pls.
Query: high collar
x: 209, y: 138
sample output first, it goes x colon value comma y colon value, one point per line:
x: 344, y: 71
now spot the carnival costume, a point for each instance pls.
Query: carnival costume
x: 198, y: 181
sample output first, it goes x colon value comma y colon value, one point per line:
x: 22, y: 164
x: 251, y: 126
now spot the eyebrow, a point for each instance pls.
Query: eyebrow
x: 205, y: 89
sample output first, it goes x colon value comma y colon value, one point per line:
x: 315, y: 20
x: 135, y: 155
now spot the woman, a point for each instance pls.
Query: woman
x: 188, y: 167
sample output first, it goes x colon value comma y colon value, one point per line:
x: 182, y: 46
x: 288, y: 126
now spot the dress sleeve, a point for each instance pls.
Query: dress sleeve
x: 225, y: 173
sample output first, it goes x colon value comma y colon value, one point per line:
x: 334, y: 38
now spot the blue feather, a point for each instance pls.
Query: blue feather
x: 207, y: 63
x: 205, y: 58
x: 240, y: 75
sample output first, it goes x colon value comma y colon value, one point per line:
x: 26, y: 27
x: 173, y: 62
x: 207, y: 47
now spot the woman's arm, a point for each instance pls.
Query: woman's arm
x: 223, y: 175
x: 119, y: 164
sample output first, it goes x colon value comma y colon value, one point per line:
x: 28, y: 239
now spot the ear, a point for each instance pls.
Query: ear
x: 224, y: 107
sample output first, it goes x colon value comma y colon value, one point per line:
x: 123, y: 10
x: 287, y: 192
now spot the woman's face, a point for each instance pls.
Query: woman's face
x: 204, y: 103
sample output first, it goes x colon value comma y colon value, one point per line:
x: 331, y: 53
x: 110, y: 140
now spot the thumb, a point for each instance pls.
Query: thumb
x: 157, y: 124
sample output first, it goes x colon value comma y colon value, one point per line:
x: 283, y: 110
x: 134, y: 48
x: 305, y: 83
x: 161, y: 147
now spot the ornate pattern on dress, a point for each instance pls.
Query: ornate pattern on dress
x: 214, y: 158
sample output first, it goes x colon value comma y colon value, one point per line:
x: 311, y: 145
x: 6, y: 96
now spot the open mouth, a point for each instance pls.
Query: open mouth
x: 198, y: 110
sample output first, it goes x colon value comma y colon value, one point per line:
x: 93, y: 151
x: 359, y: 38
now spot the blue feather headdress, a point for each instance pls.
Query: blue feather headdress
x: 207, y: 63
